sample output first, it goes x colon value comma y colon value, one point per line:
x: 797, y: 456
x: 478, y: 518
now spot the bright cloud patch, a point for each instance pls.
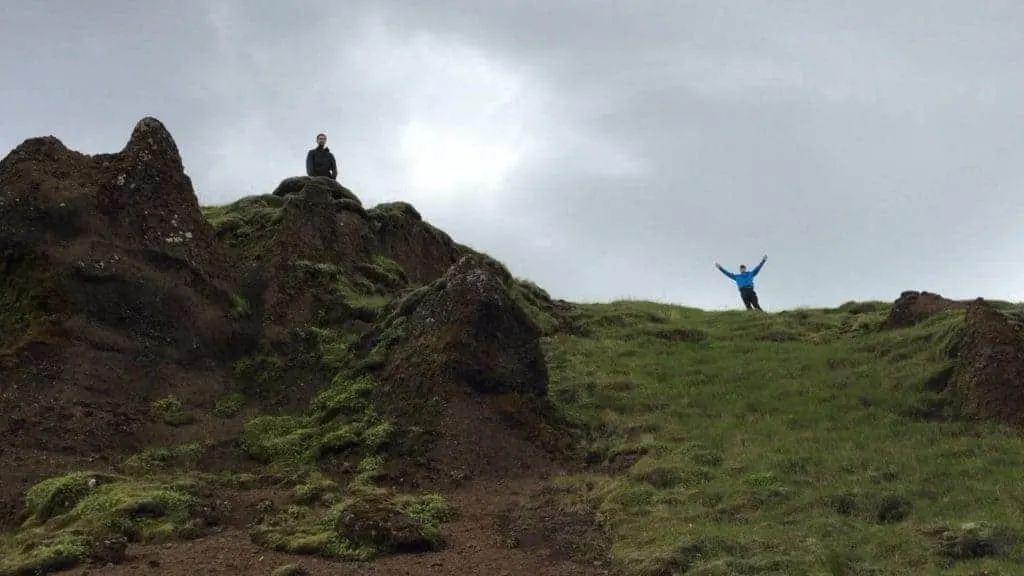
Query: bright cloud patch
x: 444, y: 161
x: 468, y: 118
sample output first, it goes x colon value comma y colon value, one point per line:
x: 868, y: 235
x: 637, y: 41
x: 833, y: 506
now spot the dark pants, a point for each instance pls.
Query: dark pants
x: 750, y: 298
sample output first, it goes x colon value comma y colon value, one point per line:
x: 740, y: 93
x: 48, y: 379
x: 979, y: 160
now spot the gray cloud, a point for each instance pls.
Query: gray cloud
x: 604, y: 150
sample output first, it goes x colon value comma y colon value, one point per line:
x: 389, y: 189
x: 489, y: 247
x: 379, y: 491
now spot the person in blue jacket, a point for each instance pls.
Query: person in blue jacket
x: 745, y: 282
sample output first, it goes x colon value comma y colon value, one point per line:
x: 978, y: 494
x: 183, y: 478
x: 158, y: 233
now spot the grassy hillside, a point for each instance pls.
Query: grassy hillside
x: 818, y: 442
x: 804, y: 442
x: 294, y: 376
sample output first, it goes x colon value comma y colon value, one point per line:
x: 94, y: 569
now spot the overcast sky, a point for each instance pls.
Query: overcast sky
x: 602, y: 149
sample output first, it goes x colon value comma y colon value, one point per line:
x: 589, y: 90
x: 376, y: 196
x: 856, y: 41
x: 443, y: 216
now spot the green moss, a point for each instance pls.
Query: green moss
x: 536, y: 302
x: 362, y: 526
x: 332, y: 345
x: 378, y: 436
x: 159, y: 459
x: 248, y: 225
x: 316, y: 489
x: 31, y: 307
x: 282, y: 440
x: 16, y: 310
x: 290, y: 570
x: 24, y: 557
x: 58, y: 495
x: 368, y: 471
x: 383, y: 272
x: 260, y: 374
x: 340, y: 418
x: 365, y: 289
x: 171, y: 411
x: 71, y: 514
x: 229, y: 406
x: 346, y: 396
x: 240, y: 307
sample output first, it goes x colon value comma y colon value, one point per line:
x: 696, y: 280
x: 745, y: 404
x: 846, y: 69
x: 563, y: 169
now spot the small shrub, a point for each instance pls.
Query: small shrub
x: 172, y: 412
x: 229, y: 406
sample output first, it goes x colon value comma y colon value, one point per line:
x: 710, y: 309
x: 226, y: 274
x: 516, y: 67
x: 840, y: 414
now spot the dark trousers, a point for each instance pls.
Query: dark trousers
x: 750, y: 298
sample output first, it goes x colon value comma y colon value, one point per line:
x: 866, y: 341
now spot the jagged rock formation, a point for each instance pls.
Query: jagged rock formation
x: 114, y: 293
x: 122, y: 299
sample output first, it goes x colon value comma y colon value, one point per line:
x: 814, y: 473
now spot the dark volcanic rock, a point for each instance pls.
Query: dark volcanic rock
x: 466, y: 329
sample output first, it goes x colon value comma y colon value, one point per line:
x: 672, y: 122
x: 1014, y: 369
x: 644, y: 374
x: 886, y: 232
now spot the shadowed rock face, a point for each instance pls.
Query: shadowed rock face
x: 988, y: 381
x: 467, y: 330
x: 460, y: 370
x: 423, y: 251
x: 115, y: 294
x: 119, y: 239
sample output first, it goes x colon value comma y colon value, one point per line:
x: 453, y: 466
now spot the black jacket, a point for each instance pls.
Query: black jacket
x: 320, y: 162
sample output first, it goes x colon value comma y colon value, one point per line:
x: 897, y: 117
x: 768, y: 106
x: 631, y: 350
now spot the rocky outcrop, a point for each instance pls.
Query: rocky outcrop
x: 988, y: 379
x: 466, y: 330
x: 460, y: 370
x: 115, y: 294
x: 118, y: 240
x: 913, y: 307
x: 321, y: 190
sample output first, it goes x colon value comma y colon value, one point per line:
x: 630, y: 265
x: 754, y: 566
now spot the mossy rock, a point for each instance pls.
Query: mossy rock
x: 85, y: 515
x: 377, y: 523
x: 367, y: 524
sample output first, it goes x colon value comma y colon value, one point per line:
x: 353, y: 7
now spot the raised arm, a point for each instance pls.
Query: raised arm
x: 758, y: 267
x: 724, y: 271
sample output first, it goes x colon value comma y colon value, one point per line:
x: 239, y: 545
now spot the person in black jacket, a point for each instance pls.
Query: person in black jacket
x: 320, y: 161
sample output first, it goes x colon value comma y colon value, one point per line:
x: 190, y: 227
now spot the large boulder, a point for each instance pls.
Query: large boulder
x: 460, y: 371
x: 467, y: 330
x: 318, y: 189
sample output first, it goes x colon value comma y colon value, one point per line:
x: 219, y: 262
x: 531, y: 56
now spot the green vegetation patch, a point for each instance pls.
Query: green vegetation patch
x: 536, y: 302
x: 365, y: 290
x: 361, y: 526
x: 71, y: 516
x: 30, y: 306
x: 803, y: 442
x: 230, y: 405
x: 340, y: 419
x: 171, y: 411
x: 157, y: 460
x: 247, y: 225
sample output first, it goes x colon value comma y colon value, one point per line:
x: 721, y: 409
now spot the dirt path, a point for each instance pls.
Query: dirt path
x: 477, y: 545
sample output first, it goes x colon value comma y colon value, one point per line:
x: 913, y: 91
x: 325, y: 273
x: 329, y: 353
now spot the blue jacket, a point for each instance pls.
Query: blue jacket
x: 743, y: 279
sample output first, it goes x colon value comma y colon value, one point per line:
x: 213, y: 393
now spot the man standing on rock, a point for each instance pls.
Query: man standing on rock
x: 320, y: 161
x: 745, y: 282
